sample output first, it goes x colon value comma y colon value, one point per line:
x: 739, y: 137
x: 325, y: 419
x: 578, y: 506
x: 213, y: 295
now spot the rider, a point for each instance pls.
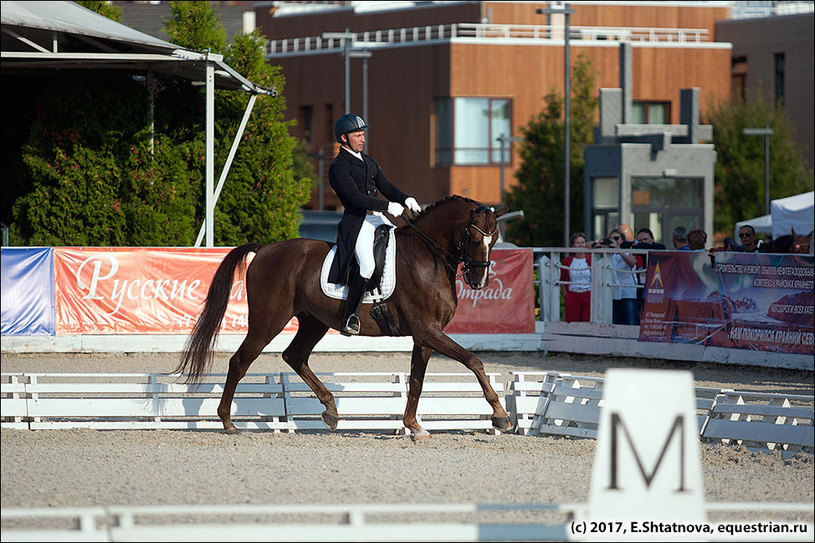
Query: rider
x: 357, y: 179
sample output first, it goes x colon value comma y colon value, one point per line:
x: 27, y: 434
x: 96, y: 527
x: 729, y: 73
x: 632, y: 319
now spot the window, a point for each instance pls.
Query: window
x: 306, y: 120
x: 467, y: 130
x: 738, y: 77
x: 779, y: 80
x: 651, y: 112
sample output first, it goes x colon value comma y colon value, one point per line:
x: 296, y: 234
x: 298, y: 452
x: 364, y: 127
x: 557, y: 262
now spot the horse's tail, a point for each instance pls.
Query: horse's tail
x: 198, y: 352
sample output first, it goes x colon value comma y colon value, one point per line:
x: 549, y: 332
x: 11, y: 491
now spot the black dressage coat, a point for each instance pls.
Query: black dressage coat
x: 357, y: 183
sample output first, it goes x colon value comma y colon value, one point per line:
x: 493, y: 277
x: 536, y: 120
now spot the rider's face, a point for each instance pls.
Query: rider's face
x: 356, y: 140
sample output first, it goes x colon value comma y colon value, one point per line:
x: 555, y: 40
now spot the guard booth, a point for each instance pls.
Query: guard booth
x: 657, y: 176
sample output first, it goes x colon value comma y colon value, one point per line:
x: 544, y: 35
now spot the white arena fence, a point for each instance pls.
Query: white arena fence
x: 551, y: 403
x: 363, y: 522
x: 539, y: 403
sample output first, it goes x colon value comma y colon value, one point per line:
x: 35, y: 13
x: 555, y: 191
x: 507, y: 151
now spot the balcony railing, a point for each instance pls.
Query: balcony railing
x: 520, y: 33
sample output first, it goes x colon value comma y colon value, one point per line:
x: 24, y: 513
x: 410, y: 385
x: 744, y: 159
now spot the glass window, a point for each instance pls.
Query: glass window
x: 467, y: 130
x: 444, y: 131
x: 779, y: 79
x: 650, y: 112
x: 606, y: 193
x: 668, y: 191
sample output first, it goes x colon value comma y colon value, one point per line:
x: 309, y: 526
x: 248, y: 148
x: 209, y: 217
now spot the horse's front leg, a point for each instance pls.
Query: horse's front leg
x: 418, y: 366
x: 442, y: 344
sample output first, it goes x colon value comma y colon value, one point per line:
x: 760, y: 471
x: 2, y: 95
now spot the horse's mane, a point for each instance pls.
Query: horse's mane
x: 444, y: 200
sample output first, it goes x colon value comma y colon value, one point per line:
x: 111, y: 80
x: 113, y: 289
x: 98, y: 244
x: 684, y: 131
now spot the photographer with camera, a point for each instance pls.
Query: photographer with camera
x: 625, y: 307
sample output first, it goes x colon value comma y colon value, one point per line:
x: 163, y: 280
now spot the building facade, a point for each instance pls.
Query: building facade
x: 443, y: 81
x: 773, y: 59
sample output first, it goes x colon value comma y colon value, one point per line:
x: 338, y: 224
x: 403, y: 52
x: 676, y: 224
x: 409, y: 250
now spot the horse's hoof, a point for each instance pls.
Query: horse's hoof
x: 503, y: 425
x: 232, y: 431
x: 420, y: 435
x: 329, y: 420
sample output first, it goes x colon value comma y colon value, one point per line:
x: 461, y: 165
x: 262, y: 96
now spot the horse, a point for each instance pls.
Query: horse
x: 283, y: 281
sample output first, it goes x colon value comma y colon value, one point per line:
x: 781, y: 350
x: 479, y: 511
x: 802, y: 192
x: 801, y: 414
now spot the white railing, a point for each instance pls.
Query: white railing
x: 548, y: 265
x: 430, y: 33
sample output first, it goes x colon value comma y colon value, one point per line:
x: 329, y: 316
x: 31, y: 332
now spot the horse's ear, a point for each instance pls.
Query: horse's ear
x: 793, y: 232
x: 499, y: 212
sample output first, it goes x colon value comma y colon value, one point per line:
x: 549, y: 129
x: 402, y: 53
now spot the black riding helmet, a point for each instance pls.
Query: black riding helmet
x: 349, y: 122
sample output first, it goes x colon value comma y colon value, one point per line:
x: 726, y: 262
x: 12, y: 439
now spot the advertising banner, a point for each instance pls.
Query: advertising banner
x: 506, y: 305
x: 141, y: 291
x: 27, y: 291
x: 740, y: 300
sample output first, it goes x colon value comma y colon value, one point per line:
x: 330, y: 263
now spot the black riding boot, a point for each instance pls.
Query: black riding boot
x: 350, y: 321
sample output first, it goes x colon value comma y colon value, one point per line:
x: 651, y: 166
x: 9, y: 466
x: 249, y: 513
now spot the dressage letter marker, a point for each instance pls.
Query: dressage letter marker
x: 647, y: 465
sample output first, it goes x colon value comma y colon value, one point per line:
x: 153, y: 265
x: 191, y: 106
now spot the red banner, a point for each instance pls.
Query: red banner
x: 140, y: 291
x: 506, y: 305
x: 162, y: 291
x: 751, y: 301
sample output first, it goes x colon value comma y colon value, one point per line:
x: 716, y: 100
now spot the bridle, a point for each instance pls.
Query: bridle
x: 463, y: 256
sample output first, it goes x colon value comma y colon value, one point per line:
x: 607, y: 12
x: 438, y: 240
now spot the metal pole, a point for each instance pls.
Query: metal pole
x: 767, y: 169
x: 567, y: 92
x: 501, y: 164
x: 567, y: 132
x: 766, y: 132
x: 210, y: 155
x: 320, y: 162
x: 347, y: 43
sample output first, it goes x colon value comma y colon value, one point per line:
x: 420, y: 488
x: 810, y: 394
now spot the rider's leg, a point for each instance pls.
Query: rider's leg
x: 364, y: 252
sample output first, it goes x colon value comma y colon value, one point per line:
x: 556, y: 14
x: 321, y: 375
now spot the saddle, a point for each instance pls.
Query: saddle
x: 383, y: 280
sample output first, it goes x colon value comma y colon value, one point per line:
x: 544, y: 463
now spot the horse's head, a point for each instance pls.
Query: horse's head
x: 477, y: 240
x: 801, y: 244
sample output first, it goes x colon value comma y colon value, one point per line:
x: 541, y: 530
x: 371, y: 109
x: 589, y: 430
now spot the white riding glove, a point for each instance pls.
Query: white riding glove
x: 395, y: 209
x: 413, y: 205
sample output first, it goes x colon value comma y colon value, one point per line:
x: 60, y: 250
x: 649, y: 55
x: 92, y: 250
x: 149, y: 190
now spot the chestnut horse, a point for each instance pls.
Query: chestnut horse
x: 283, y: 281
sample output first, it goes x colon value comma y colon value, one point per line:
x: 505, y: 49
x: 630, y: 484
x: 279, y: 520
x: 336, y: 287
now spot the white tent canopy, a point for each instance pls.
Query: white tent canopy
x: 795, y: 212
x: 786, y: 213
x: 65, y: 35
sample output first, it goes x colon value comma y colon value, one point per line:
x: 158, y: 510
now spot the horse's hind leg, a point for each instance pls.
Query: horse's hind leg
x: 296, y: 355
x: 442, y: 344
x: 418, y: 366
x: 249, y: 350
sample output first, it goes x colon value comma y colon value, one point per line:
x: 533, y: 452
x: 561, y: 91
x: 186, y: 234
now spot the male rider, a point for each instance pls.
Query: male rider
x: 357, y: 179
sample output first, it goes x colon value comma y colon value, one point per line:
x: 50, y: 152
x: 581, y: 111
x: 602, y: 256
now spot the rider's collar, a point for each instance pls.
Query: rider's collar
x: 358, y: 155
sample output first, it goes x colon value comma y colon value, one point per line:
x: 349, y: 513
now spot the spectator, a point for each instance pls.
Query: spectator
x: 697, y: 239
x: 577, y: 271
x: 747, y: 237
x: 628, y: 236
x: 624, y: 306
x: 680, y: 238
x: 645, y: 240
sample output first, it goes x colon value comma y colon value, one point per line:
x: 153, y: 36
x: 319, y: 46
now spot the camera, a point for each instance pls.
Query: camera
x: 605, y: 241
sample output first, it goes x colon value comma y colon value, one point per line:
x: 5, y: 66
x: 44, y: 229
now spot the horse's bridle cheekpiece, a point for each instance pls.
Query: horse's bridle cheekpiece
x: 464, y: 256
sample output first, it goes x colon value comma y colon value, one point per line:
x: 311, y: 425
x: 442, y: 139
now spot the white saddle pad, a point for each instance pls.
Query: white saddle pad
x: 386, y: 285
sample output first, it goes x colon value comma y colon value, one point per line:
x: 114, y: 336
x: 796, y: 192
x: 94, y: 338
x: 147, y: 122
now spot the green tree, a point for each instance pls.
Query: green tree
x: 739, y: 170
x: 92, y: 177
x: 262, y: 196
x: 539, y: 188
x: 196, y: 26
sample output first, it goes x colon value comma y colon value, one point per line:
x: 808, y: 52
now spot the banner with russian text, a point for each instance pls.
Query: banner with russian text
x: 141, y: 291
x: 506, y: 305
x: 739, y: 300
x: 27, y: 291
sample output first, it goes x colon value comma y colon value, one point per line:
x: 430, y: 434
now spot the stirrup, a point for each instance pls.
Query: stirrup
x: 351, y: 326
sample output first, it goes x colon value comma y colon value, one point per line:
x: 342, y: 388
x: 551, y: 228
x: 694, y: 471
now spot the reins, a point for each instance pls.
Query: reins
x: 434, y: 247
x: 445, y: 255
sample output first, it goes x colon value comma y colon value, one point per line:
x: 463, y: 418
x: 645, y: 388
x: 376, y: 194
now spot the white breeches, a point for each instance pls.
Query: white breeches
x: 364, y: 249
